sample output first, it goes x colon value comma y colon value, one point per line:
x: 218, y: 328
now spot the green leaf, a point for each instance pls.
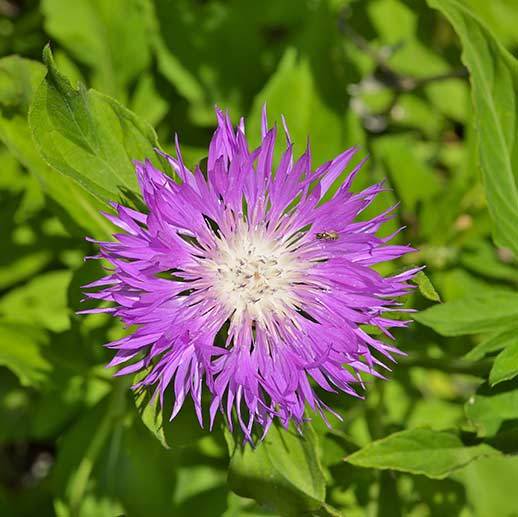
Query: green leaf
x: 505, y: 366
x: 434, y: 454
x: 283, y: 470
x: 483, y: 259
x: 89, y: 136
x: 20, y: 78
x: 21, y: 350
x: 488, y: 411
x: 494, y: 81
x: 426, y: 287
x: 481, y: 313
x: 42, y: 301
x: 490, y: 485
x: 494, y: 343
x: 501, y: 17
x: 109, y: 37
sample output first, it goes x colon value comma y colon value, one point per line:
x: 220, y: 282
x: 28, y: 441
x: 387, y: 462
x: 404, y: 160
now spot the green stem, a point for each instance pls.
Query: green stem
x: 79, y: 482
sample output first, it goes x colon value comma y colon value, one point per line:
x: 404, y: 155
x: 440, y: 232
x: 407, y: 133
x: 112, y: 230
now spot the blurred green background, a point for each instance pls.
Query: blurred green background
x: 385, y: 75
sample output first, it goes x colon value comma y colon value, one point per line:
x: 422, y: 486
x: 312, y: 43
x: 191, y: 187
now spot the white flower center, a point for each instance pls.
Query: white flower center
x: 254, y: 276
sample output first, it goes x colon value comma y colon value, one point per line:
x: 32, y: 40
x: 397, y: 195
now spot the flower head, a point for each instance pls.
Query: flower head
x: 244, y: 280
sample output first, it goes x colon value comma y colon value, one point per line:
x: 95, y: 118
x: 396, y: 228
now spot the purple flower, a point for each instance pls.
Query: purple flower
x: 243, y: 280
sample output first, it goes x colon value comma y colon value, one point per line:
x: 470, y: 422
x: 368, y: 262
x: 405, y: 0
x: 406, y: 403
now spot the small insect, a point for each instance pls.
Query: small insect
x: 330, y: 235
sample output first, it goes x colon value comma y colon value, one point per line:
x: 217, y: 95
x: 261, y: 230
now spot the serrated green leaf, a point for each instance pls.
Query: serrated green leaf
x: 89, y: 136
x: 494, y: 81
x: 434, y: 454
x: 283, y: 470
x: 22, y: 77
x: 481, y: 313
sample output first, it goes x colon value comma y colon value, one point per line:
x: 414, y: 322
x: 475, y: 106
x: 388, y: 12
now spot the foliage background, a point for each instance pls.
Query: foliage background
x: 440, y: 437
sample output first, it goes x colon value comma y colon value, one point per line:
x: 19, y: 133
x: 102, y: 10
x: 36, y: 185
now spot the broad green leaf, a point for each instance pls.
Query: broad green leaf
x: 488, y: 411
x: 481, y: 313
x: 434, y: 454
x: 42, y: 301
x: 68, y: 67
x: 494, y: 81
x: 21, y: 350
x: 20, y: 78
x: 283, y: 471
x: 494, y: 343
x: 426, y: 287
x: 500, y: 16
x: 109, y: 37
x: 490, y: 486
x: 505, y: 366
x: 89, y: 136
